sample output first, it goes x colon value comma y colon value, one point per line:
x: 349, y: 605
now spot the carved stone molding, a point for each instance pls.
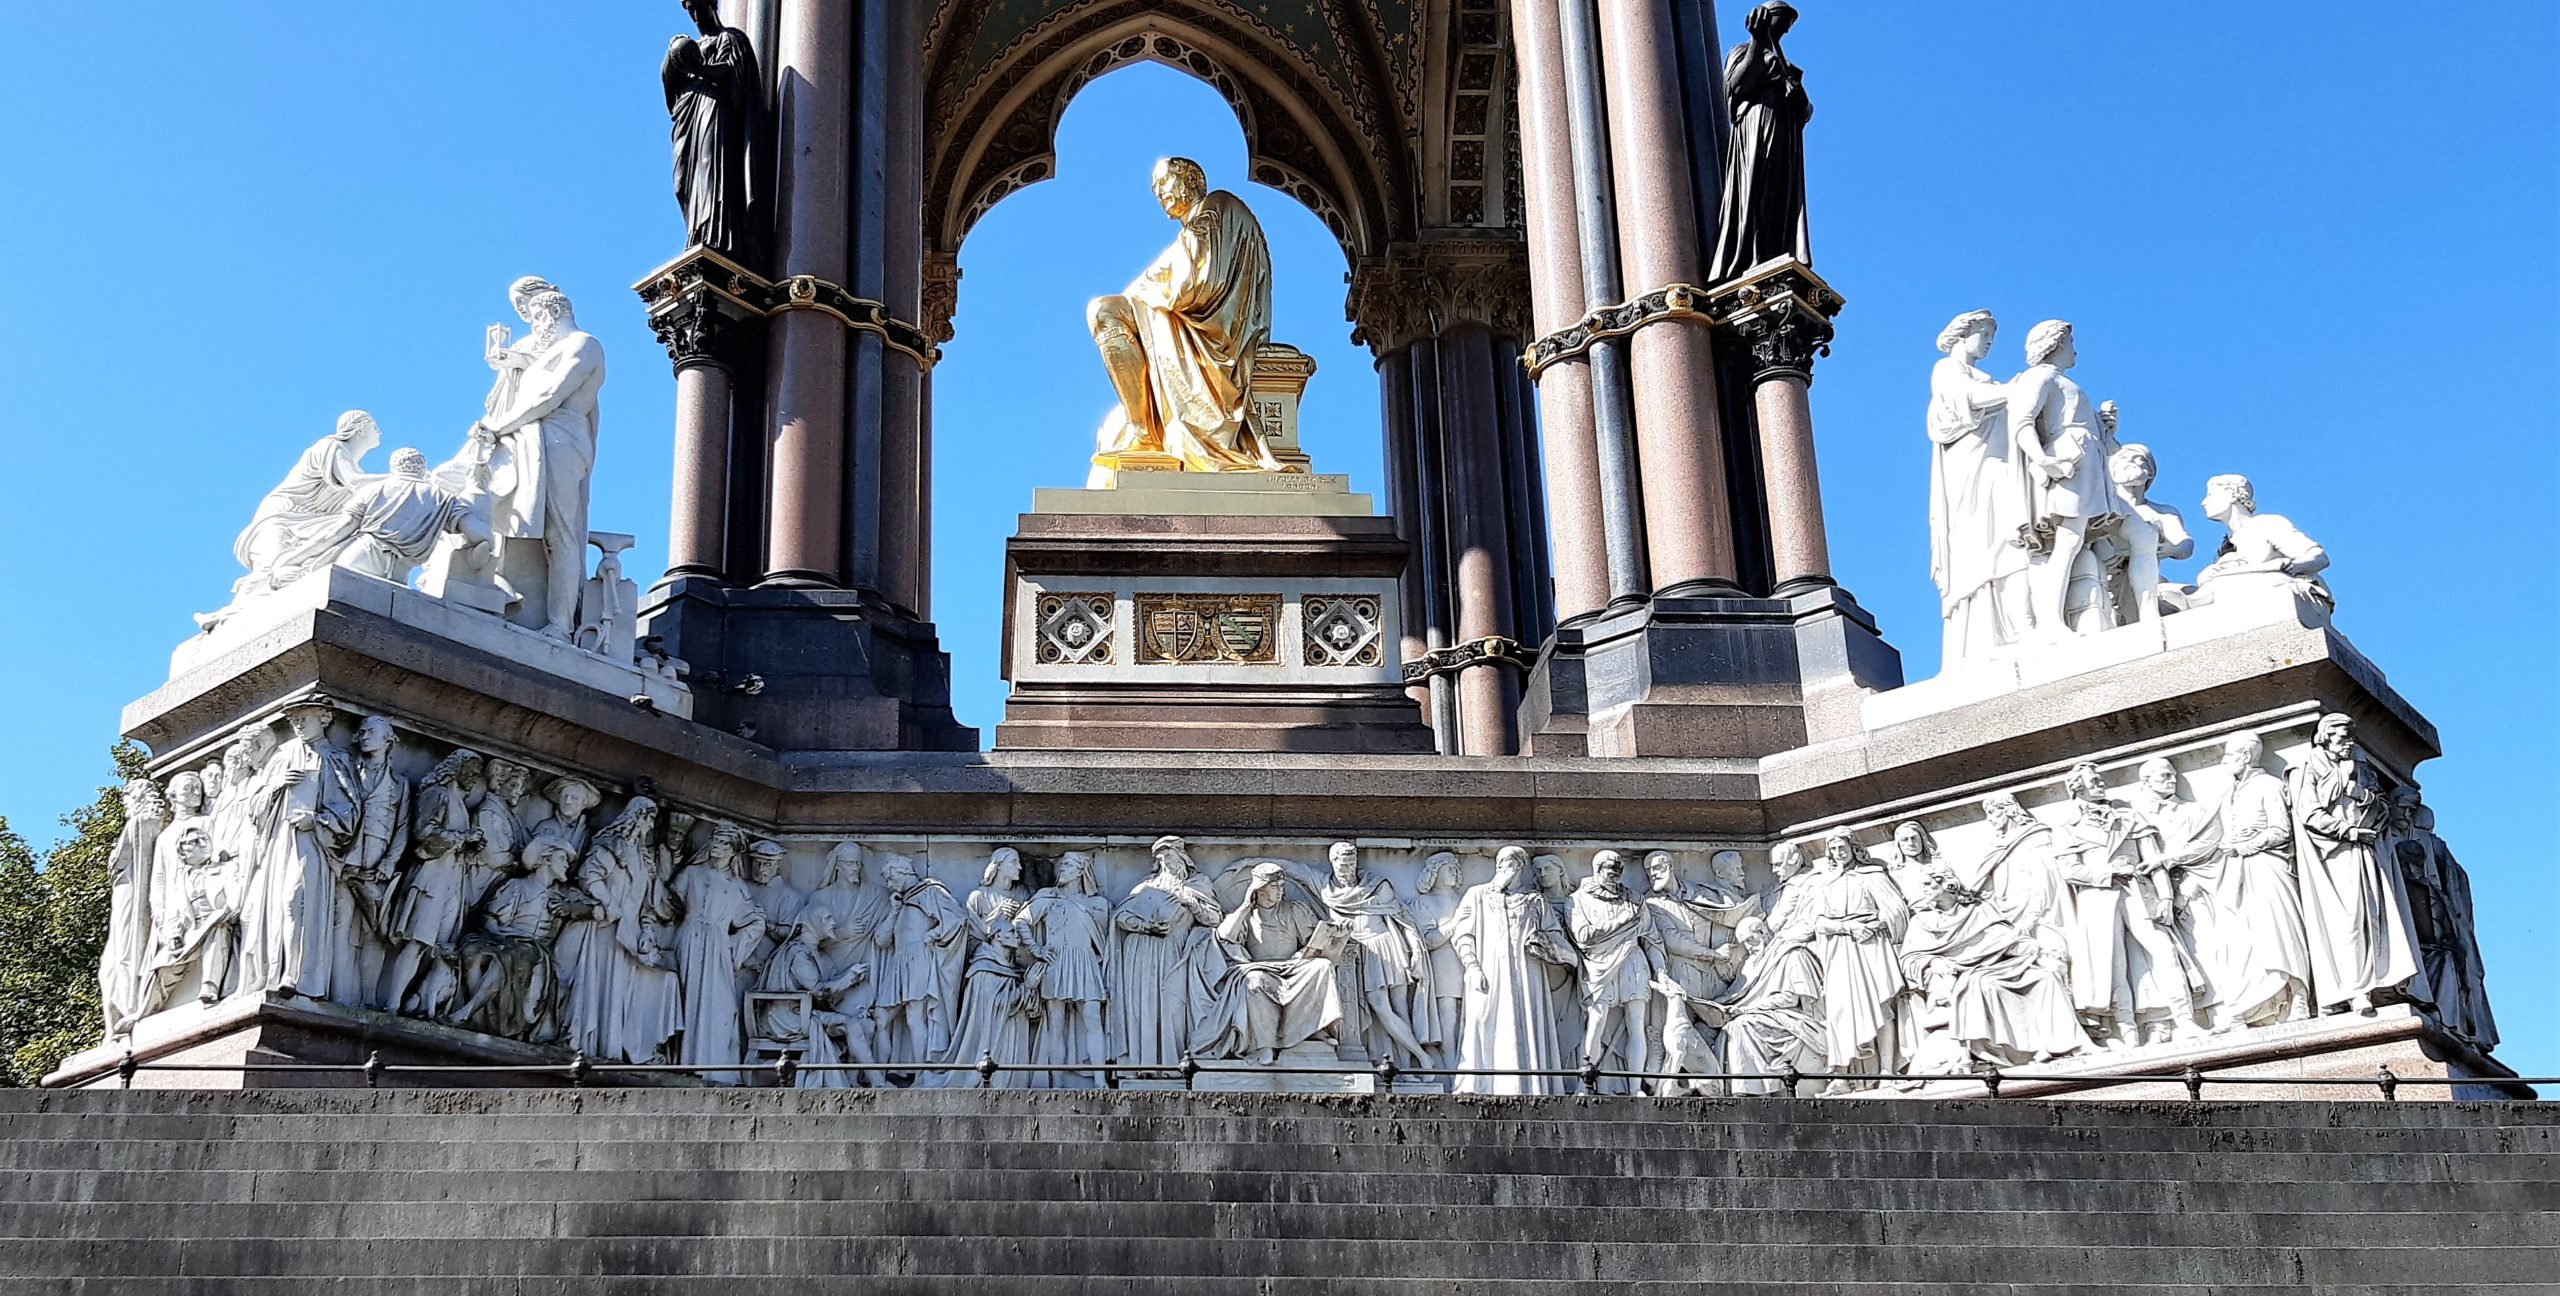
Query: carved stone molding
x: 941, y: 295
x: 1421, y: 290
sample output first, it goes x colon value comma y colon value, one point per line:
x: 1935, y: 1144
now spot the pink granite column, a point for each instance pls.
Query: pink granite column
x: 813, y: 76
x: 1471, y: 364
x: 1799, y: 553
x: 1571, y: 453
x: 1679, y: 437
x: 697, y: 530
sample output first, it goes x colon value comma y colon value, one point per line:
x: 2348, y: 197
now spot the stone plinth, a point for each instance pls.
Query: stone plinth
x: 282, y: 1028
x: 2343, y: 1046
x: 1204, y: 632
x: 287, y: 615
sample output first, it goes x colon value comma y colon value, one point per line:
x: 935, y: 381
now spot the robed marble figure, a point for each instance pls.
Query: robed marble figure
x: 715, y: 102
x: 1179, y: 342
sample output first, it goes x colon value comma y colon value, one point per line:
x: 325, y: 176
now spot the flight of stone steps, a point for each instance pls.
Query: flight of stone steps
x: 547, y: 1193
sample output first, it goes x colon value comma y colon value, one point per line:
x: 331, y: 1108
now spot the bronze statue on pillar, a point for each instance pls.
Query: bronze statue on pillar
x: 1761, y: 216
x: 715, y: 98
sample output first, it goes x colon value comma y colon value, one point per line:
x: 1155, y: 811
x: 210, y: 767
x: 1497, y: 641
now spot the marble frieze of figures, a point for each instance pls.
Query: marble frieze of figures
x: 2041, y: 523
x: 2229, y: 882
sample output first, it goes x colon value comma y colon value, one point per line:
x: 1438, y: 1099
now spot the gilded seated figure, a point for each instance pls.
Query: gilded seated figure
x: 1179, y: 342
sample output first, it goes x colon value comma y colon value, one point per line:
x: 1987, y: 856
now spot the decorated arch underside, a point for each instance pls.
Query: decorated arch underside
x: 1329, y: 94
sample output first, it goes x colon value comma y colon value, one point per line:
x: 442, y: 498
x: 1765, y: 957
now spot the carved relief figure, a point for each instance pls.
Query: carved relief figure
x: 192, y: 921
x: 1179, y: 342
x: 1856, y: 917
x: 426, y: 915
x: 511, y: 975
x: 997, y: 996
x: 2019, y: 872
x: 2450, y: 962
x: 2262, y: 965
x: 1693, y: 969
x: 502, y: 834
x: 382, y: 841
x: 296, y: 921
x: 1621, y: 961
x: 1282, y: 987
x: 309, y: 501
x: 721, y: 933
x: 2124, y: 962
x: 1761, y: 215
x: 1436, y: 895
x: 1564, y: 980
x: 1773, y: 1017
x: 2354, y: 909
x: 1508, y: 938
x: 625, y: 1002
x: 923, y: 951
x: 1165, y: 962
x: 860, y: 915
x: 1979, y: 503
x: 828, y: 1034
x: 1394, y: 964
x: 1070, y: 930
x: 2262, y: 551
x: 1982, y: 990
x: 121, y: 978
x: 2181, y: 845
x: 715, y: 99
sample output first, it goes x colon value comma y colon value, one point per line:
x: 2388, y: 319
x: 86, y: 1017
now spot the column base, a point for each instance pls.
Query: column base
x: 1707, y: 677
x: 809, y: 669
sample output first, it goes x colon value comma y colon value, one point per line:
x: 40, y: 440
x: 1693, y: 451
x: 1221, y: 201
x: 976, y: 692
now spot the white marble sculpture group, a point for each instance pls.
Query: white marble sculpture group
x: 328, y: 856
x: 501, y: 527
x: 2040, y: 522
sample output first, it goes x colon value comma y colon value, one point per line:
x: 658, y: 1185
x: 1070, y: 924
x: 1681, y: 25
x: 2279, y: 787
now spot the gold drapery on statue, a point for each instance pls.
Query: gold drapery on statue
x: 1179, y: 344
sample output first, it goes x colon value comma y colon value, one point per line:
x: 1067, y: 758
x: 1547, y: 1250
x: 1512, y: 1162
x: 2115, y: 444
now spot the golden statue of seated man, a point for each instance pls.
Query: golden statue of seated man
x: 1179, y: 343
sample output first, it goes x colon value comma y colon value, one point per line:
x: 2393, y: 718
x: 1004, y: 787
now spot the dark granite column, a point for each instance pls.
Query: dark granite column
x: 814, y: 80
x: 1688, y: 526
x: 901, y: 518
x: 1430, y: 558
x: 1404, y: 502
x: 1596, y: 221
x: 1474, y: 370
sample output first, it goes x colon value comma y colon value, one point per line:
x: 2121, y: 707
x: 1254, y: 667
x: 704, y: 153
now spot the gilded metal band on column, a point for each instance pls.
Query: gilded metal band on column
x: 1678, y: 301
x: 740, y: 292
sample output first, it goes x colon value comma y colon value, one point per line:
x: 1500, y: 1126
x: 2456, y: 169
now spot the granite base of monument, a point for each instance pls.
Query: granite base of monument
x: 1255, y: 629
x: 810, y: 669
x: 1707, y: 676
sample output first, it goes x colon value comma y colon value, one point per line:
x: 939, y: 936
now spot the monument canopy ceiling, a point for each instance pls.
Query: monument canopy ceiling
x: 1327, y: 92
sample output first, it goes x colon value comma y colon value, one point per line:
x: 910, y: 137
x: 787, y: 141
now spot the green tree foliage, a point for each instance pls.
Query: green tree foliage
x: 53, y: 923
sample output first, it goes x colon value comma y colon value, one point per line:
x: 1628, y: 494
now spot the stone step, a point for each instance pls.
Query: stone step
x: 719, y: 1105
x: 1316, y: 1159
x: 1757, y: 1225
x: 1525, y: 1135
x: 1415, y: 1189
x: 2454, y: 1268
x: 1187, y: 1285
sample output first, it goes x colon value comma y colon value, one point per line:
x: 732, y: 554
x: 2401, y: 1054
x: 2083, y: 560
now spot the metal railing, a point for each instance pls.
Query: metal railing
x: 786, y: 1071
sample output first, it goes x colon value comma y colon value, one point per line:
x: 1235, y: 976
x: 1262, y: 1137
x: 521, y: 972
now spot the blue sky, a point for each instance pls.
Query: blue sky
x: 2314, y: 243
